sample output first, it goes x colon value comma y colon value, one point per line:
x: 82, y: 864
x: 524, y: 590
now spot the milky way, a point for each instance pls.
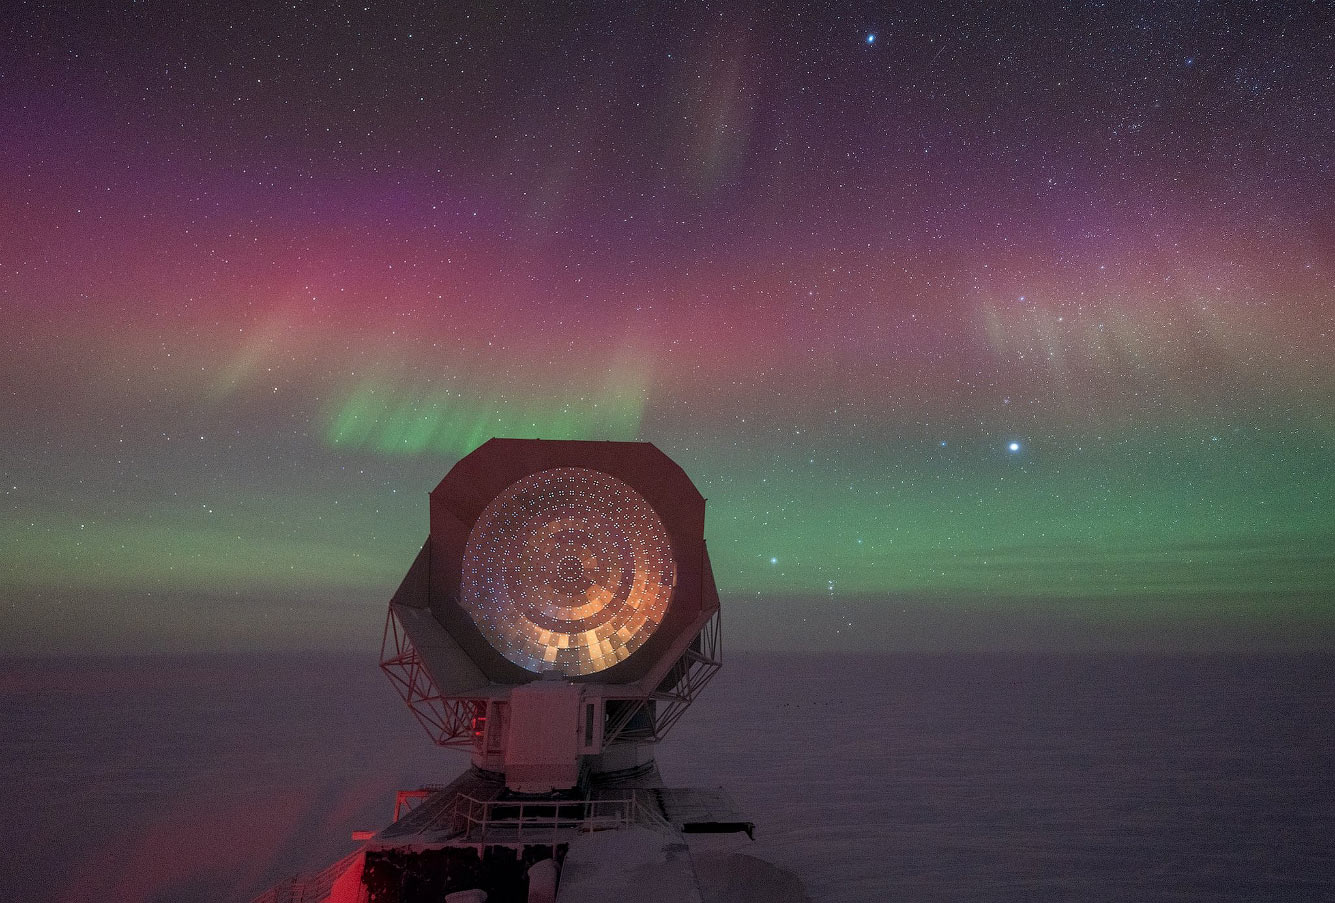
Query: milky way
x: 969, y: 306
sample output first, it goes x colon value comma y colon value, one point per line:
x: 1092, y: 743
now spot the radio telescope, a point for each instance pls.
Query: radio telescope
x: 558, y: 620
x: 561, y: 614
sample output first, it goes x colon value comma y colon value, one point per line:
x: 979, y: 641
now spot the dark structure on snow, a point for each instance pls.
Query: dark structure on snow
x: 559, y: 619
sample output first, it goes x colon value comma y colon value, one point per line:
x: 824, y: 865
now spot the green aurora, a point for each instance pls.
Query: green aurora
x: 1235, y: 525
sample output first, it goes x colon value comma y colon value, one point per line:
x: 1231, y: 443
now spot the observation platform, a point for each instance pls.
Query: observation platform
x: 474, y: 832
x: 477, y: 810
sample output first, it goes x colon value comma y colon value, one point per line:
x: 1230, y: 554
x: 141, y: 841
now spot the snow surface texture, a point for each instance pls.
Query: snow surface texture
x: 654, y: 867
x: 635, y: 864
x: 731, y: 868
x: 974, y: 779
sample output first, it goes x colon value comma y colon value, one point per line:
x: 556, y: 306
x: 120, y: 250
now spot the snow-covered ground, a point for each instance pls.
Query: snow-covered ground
x: 874, y: 778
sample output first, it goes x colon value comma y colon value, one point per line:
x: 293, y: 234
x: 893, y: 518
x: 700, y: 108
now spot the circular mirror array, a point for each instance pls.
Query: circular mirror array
x: 567, y: 570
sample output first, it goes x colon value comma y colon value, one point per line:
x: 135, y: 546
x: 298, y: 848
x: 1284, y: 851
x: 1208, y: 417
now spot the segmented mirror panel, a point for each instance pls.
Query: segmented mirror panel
x: 567, y: 570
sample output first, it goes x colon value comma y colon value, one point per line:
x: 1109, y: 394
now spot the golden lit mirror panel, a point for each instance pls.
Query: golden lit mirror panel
x: 567, y: 570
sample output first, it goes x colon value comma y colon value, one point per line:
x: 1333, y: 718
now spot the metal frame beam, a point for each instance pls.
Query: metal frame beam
x: 450, y: 720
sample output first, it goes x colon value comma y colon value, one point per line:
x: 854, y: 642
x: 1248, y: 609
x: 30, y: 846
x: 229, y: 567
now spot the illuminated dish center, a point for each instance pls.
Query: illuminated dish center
x: 567, y: 570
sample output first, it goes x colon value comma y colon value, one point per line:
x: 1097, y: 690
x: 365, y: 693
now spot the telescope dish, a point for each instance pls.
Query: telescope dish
x: 567, y: 570
x: 557, y: 622
x: 556, y: 567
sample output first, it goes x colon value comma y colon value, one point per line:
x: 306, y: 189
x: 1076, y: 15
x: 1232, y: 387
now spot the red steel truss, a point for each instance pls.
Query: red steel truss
x: 450, y: 720
x: 459, y: 722
x: 650, y: 717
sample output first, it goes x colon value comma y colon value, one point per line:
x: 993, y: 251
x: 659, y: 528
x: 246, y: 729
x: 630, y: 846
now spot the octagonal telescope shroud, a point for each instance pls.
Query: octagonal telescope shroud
x: 583, y: 560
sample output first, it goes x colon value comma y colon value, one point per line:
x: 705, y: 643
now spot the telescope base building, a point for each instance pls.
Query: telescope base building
x: 615, y: 835
x: 559, y: 619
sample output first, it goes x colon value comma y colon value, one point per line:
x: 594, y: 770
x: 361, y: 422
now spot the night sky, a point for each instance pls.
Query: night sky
x: 975, y: 322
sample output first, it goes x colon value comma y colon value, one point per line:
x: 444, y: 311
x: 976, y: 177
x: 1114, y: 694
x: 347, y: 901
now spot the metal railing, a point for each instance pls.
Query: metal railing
x: 481, y: 821
x: 308, y: 888
x: 493, y: 820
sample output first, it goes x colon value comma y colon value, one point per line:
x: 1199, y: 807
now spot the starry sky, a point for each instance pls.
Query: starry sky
x: 978, y: 324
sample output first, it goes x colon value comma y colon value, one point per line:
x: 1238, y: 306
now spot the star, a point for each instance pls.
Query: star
x: 871, y: 37
x: 1014, y: 447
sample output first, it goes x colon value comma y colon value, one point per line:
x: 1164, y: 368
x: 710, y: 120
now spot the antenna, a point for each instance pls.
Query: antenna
x: 562, y: 613
x: 559, y: 619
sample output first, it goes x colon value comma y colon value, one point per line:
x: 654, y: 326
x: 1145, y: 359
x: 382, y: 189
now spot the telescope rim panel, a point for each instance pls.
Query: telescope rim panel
x: 460, y: 499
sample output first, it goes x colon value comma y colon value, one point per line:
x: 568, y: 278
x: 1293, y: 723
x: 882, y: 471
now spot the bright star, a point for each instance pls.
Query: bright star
x: 871, y: 38
x: 774, y: 561
x: 1014, y: 446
